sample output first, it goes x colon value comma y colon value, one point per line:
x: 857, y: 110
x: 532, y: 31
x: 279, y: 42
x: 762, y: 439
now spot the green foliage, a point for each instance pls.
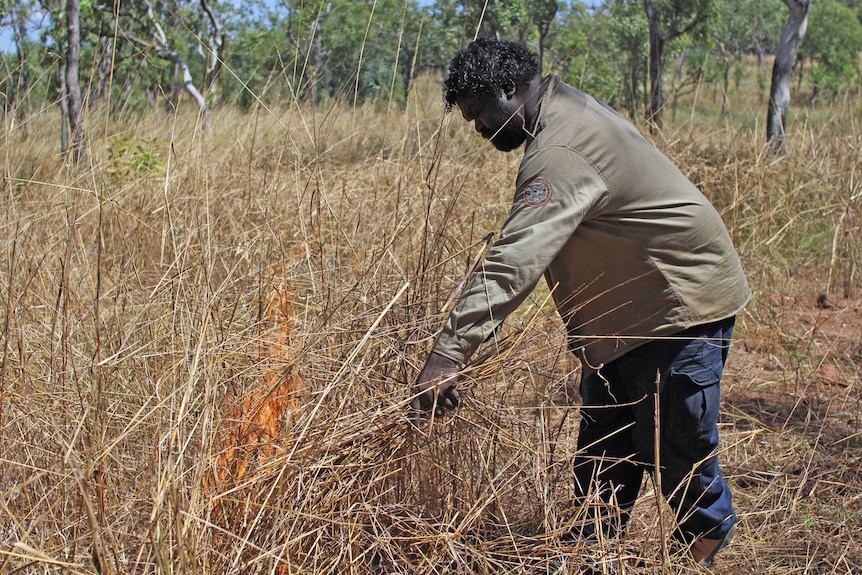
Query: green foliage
x: 684, y: 18
x: 603, y: 50
x: 361, y: 50
x: 446, y: 28
x: 132, y: 157
x: 503, y: 18
x: 591, y: 48
x: 630, y: 33
x: 746, y: 26
x: 833, y: 42
x: 27, y: 76
x: 30, y: 81
x: 698, y: 59
x: 740, y: 27
x: 260, y: 56
x: 453, y: 23
x: 361, y: 40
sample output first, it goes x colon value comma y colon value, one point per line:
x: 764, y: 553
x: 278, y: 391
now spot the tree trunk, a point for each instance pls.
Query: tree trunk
x: 216, y: 51
x: 317, y: 74
x: 656, y: 52
x: 542, y: 14
x: 645, y: 87
x: 188, y: 82
x: 18, y: 96
x: 541, y: 49
x: 21, y: 86
x: 123, y: 100
x: 64, y: 113
x: 785, y: 57
x: 174, y: 94
x: 73, y: 84
x: 165, y: 52
x: 105, y: 69
x: 150, y: 95
x: 634, y: 61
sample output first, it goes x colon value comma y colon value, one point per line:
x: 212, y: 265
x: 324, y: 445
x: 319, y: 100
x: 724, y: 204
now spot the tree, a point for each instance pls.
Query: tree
x: 175, y: 47
x: 525, y: 21
x: 263, y: 53
x: 740, y: 27
x: 17, y: 81
x: 73, y: 83
x: 361, y: 50
x: 669, y: 20
x: 785, y: 58
x: 542, y: 14
x: 214, y: 51
x: 603, y: 50
x: 500, y: 18
x: 445, y: 29
x: 630, y: 35
x: 833, y: 43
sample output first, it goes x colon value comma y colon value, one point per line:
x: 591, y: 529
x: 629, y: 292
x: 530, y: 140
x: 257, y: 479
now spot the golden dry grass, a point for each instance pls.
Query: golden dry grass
x: 133, y: 319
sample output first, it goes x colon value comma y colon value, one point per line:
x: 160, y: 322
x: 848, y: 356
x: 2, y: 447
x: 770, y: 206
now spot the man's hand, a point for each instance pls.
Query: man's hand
x: 435, y: 388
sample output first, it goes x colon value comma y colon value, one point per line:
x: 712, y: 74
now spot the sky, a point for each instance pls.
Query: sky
x: 5, y: 39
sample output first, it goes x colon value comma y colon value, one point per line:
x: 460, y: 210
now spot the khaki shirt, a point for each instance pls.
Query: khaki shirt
x: 630, y: 248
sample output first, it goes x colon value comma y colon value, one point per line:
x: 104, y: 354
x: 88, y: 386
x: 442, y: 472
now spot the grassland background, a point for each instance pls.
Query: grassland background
x: 134, y: 324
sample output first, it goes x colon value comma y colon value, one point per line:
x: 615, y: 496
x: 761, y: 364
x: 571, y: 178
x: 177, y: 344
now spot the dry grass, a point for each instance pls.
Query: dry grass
x: 261, y: 422
x: 134, y: 315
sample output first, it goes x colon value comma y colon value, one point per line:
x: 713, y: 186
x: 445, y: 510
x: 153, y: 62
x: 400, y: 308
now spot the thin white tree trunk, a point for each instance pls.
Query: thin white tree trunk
x: 73, y: 84
x: 216, y: 47
x: 64, y: 113
x: 785, y: 58
x: 164, y: 51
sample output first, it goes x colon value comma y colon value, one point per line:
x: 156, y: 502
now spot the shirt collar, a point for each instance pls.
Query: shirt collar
x: 533, y: 123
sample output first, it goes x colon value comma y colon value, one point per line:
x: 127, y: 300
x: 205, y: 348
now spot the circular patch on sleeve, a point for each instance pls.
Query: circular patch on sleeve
x: 537, y: 193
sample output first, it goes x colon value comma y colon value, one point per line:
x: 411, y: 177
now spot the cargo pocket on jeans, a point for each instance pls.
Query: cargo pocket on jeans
x: 693, y: 402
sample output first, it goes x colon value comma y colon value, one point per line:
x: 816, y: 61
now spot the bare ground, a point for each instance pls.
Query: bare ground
x: 793, y: 436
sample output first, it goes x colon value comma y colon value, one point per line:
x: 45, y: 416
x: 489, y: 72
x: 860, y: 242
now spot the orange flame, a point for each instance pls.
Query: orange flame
x: 258, y: 425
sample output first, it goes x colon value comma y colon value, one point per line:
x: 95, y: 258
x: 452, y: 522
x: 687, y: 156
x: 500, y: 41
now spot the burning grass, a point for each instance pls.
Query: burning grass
x: 171, y: 404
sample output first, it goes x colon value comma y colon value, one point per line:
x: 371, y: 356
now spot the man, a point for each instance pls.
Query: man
x: 643, y: 274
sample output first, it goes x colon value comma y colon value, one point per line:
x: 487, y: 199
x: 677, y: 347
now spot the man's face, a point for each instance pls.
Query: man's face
x: 497, y: 118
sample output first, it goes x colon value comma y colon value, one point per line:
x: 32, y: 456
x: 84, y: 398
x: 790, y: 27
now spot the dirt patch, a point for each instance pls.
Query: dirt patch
x: 793, y: 426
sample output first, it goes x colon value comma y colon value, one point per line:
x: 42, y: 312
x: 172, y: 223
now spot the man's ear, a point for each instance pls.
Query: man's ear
x: 510, y: 91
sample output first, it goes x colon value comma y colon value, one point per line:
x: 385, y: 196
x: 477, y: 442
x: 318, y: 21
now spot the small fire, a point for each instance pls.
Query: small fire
x: 257, y: 428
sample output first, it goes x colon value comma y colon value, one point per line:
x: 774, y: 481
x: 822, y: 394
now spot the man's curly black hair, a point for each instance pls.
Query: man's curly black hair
x: 487, y: 66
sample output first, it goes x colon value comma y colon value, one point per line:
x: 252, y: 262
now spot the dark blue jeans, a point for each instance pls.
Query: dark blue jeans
x: 617, y: 434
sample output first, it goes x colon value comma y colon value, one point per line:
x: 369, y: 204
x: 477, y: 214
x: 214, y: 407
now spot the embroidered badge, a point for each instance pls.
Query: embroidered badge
x: 537, y: 193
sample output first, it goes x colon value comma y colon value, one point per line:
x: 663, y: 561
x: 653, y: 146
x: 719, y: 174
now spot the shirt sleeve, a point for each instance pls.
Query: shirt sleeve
x: 557, y: 189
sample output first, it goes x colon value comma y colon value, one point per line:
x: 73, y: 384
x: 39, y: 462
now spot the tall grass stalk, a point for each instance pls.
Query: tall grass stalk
x: 133, y: 326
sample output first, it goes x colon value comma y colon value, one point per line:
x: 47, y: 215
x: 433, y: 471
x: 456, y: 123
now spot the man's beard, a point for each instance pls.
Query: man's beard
x: 510, y: 136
